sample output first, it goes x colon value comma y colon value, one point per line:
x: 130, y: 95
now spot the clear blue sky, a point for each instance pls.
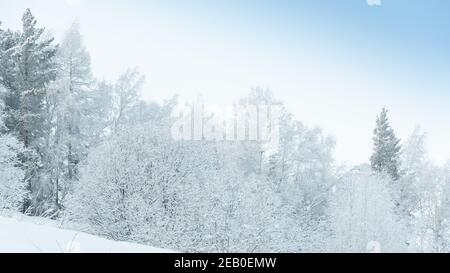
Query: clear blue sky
x: 335, y: 63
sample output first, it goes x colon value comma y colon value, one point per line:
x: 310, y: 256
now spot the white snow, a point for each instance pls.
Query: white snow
x: 25, y: 237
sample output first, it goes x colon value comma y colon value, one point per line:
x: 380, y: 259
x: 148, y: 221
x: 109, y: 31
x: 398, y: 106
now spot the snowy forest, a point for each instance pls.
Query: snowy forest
x: 96, y: 157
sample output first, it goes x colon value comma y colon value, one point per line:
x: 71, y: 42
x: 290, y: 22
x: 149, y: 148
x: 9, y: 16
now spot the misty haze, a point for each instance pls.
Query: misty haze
x: 224, y: 127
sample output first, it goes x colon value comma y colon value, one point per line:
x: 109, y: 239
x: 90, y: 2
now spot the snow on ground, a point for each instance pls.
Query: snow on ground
x: 36, y: 235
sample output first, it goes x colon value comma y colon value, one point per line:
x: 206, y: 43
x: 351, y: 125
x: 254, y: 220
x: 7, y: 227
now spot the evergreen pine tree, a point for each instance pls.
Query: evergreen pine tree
x: 28, y: 66
x: 387, y: 148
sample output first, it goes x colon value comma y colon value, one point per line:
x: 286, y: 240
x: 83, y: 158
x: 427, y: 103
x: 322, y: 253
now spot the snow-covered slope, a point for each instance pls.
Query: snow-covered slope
x: 24, y: 236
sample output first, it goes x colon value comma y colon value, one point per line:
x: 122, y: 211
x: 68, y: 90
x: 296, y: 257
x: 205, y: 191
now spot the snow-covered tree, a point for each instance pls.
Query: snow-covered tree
x: 387, y: 148
x: 28, y: 66
x: 77, y: 81
x: 300, y: 172
x: 414, y: 163
x: 69, y: 106
x: 126, y: 95
x: 432, y: 218
x: 414, y: 154
x: 363, y: 214
x: 129, y: 188
x: 421, y: 197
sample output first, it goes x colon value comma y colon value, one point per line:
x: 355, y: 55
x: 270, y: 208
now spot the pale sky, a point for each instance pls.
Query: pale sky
x: 334, y: 63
